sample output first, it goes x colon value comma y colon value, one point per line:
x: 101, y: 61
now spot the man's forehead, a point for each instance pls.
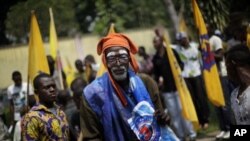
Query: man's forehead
x: 116, y: 49
x: 46, y: 81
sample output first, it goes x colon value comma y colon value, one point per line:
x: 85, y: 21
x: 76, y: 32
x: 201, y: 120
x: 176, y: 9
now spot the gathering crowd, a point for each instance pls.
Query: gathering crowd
x: 135, y: 99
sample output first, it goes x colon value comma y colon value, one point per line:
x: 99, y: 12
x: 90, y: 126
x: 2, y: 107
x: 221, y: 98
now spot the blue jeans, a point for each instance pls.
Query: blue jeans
x: 181, y: 126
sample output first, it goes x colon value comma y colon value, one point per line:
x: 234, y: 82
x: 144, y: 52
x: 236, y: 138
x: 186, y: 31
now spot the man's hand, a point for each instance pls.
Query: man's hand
x: 162, y: 117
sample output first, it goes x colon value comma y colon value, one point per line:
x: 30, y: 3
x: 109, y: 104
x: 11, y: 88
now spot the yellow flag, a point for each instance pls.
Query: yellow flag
x: 188, y: 110
x: 102, y: 68
x: 210, y: 72
x: 53, y: 36
x: 69, y: 72
x: 248, y: 35
x: 37, y: 58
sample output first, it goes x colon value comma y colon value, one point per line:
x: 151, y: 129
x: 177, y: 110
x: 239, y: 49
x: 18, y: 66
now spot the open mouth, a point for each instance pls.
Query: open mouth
x: 53, y: 96
x: 119, y: 71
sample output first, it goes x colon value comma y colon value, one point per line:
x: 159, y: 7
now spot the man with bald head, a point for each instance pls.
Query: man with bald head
x: 108, y: 102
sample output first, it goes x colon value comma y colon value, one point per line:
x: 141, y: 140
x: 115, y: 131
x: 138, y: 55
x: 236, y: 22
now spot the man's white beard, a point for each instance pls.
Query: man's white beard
x: 119, y: 77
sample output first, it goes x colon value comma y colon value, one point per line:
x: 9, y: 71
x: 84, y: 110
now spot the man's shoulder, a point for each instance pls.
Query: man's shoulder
x: 31, y: 115
x: 10, y: 88
x: 95, y: 87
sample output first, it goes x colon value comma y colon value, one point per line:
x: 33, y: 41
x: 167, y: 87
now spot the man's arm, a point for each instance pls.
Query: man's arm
x: 153, y: 90
x: 11, y: 112
x: 11, y: 107
x: 91, y: 128
x: 178, y: 59
x: 218, y: 55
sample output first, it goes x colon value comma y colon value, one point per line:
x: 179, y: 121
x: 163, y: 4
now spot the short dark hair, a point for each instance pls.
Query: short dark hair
x: 142, y: 48
x: 15, y: 73
x: 36, y: 81
x: 75, y: 83
x: 240, y: 54
x: 90, y: 58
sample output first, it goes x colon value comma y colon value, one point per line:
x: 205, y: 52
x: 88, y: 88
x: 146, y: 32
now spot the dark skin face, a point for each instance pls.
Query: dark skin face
x: 141, y: 52
x: 231, y: 70
x: 79, y: 65
x: 184, y: 42
x: 47, y: 92
x: 17, y: 80
x: 77, y: 88
x: 157, y: 43
x: 118, y: 63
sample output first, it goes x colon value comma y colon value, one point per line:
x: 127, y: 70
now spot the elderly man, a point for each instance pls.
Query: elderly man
x: 45, y: 121
x: 109, y: 100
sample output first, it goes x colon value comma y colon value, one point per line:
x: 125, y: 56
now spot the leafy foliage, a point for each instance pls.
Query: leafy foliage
x: 18, y: 18
x: 95, y: 16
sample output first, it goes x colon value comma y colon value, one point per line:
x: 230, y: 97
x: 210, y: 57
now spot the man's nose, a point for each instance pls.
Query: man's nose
x: 51, y: 88
x: 117, y: 61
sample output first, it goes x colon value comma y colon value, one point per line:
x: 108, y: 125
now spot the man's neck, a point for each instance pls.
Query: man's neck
x: 124, y: 84
x: 161, y: 51
x: 47, y: 105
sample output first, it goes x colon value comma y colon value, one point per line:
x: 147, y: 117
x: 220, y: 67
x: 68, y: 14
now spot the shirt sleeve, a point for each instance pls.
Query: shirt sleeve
x: 9, y: 93
x: 30, y: 128
x: 91, y: 128
x: 216, y: 44
x: 153, y: 90
x: 31, y: 91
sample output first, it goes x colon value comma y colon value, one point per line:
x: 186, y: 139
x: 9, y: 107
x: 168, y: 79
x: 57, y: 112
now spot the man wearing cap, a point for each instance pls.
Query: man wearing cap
x: 109, y: 100
x: 223, y: 113
x: 189, y: 55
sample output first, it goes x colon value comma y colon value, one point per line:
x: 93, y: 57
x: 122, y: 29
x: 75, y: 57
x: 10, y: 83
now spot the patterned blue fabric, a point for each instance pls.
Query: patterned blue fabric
x: 102, y: 99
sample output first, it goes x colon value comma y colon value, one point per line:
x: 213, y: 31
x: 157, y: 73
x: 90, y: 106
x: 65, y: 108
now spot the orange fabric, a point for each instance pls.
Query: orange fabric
x: 117, y: 39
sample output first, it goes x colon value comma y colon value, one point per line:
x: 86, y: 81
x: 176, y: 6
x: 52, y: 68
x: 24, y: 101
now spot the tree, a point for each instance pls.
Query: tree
x: 5, y: 6
x: 63, y: 13
x: 85, y: 12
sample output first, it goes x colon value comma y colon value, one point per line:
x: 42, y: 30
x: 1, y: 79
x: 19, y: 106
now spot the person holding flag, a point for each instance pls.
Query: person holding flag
x: 164, y: 76
x: 189, y: 55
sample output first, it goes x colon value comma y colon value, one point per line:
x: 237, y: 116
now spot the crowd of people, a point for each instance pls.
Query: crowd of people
x: 132, y: 100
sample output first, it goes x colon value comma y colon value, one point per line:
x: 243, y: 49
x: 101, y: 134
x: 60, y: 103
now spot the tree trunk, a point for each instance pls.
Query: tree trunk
x: 173, y: 14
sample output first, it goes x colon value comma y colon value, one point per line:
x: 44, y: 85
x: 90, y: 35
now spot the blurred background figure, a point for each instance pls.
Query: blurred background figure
x: 190, y: 56
x: 54, y: 73
x: 65, y: 101
x: 17, y: 95
x: 164, y: 77
x: 146, y: 64
x: 24, y: 110
x: 238, y: 69
x: 77, y: 87
x: 91, y: 67
x: 223, y: 113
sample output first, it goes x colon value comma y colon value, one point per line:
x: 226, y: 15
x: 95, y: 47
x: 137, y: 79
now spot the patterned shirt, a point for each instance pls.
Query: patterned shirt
x: 41, y: 124
x: 191, y: 59
x: 241, y: 106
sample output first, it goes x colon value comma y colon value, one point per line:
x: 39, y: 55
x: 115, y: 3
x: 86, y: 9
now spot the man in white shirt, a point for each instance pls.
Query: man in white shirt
x: 17, y: 95
x: 190, y: 56
x: 223, y: 113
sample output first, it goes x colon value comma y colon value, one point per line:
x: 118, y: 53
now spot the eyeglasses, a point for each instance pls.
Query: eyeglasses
x: 122, y: 59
